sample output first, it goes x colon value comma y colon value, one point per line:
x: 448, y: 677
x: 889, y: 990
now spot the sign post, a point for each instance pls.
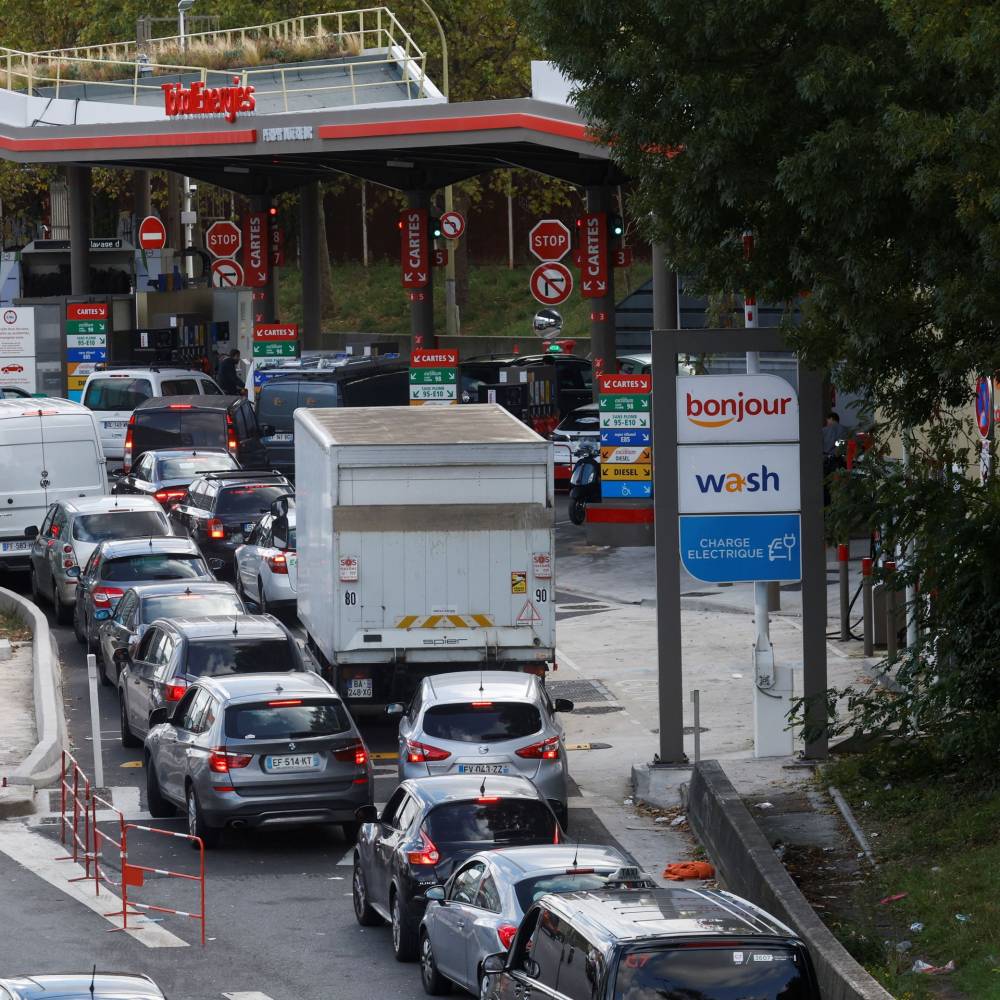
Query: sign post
x: 86, y: 343
x: 625, y: 410
x: 433, y: 377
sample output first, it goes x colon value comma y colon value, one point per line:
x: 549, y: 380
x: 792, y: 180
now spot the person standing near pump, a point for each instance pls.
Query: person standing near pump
x: 833, y: 432
x: 229, y: 374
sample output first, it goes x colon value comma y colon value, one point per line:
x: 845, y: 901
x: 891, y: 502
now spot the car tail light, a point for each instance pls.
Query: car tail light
x: 67, y: 548
x: 428, y: 853
x: 355, y: 752
x: 174, y: 691
x: 127, y: 457
x: 104, y: 597
x: 278, y: 563
x: 215, y: 528
x: 231, y: 443
x: 555, y: 834
x: 579, y: 871
x: 506, y: 932
x: 222, y: 761
x: 488, y: 799
x: 284, y: 703
x: 546, y: 750
x: 179, y: 406
x: 169, y: 496
x: 482, y: 704
x: 421, y: 753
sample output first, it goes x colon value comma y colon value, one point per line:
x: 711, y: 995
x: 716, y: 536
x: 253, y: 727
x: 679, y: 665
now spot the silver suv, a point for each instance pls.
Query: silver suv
x: 257, y: 750
x: 485, y: 722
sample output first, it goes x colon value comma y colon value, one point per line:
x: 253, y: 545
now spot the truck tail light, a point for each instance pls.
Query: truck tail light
x: 215, y: 528
x: 546, y: 750
x: 354, y: 752
x: 222, y: 761
x: 421, y: 753
x: 106, y: 597
x: 428, y: 853
x: 169, y: 496
x: 174, y: 691
x: 506, y: 932
x: 278, y: 563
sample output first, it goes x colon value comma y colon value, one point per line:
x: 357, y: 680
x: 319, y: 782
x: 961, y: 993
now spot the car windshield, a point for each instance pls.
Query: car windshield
x: 251, y: 498
x: 744, y: 973
x: 530, y: 889
x: 492, y: 820
x: 120, y: 524
x: 233, y: 655
x: 194, y: 465
x: 482, y: 721
x: 189, y: 606
x: 117, y: 392
x: 576, y: 421
x: 155, y: 566
x: 295, y: 720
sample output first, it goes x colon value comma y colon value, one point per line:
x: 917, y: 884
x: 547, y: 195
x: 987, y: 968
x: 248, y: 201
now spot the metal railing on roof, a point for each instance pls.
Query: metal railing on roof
x: 360, y: 39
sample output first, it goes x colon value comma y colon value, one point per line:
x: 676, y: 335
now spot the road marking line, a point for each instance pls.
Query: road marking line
x: 246, y: 996
x: 34, y: 852
x: 346, y: 859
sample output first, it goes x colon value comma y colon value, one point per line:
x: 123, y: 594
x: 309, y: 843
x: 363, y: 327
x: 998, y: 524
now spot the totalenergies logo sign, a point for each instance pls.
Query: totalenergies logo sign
x: 720, y: 409
x: 201, y: 100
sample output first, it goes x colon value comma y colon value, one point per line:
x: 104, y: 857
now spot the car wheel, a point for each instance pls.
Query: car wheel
x: 102, y: 666
x: 486, y: 991
x: 404, y: 934
x: 434, y: 983
x: 128, y: 737
x: 63, y: 614
x: 197, y: 827
x: 158, y: 806
x: 265, y: 608
x: 363, y: 912
x: 36, y: 594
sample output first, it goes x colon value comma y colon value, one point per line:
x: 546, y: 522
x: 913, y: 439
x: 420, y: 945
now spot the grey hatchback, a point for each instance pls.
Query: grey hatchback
x: 253, y: 751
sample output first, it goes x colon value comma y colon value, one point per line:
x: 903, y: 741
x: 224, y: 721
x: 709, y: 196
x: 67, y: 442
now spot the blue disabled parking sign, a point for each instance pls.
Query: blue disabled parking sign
x: 735, y: 548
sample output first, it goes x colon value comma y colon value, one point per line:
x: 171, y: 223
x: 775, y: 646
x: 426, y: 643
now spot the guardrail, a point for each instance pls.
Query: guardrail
x: 72, y: 783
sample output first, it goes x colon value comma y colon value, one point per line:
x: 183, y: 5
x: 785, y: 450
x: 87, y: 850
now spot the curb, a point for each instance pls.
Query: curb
x: 748, y: 866
x: 43, y: 765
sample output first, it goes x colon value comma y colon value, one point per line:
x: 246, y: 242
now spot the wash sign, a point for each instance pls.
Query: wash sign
x: 738, y: 482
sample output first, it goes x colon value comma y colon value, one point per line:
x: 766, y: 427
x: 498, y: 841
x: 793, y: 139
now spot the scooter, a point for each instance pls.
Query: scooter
x: 584, y: 483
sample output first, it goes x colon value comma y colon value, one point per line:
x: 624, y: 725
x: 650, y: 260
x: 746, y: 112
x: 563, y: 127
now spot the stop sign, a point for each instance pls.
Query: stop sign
x: 549, y: 239
x: 223, y: 239
x: 152, y: 233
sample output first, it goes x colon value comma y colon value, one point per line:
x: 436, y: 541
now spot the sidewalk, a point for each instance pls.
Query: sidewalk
x: 17, y: 717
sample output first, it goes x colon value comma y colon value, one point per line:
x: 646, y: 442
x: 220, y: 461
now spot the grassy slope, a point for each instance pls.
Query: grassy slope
x: 937, y: 839
x: 370, y: 300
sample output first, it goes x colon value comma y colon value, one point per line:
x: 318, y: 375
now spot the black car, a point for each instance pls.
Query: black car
x: 646, y: 944
x: 175, y: 652
x: 365, y: 382
x: 574, y: 377
x: 428, y: 826
x: 141, y: 606
x: 167, y: 473
x: 222, y: 508
x: 190, y: 422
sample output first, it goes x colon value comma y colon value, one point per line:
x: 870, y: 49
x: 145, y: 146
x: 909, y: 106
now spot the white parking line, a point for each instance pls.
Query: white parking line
x: 246, y: 996
x: 35, y: 853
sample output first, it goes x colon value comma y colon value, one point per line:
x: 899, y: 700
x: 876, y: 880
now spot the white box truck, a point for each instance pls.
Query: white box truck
x: 425, y: 544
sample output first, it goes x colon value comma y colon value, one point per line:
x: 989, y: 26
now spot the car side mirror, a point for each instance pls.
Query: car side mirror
x: 31, y: 531
x: 215, y: 565
x: 366, y: 814
x: 531, y: 968
x: 495, y: 963
x: 158, y: 716
x: 435, y: 892
x: 395, y: 708
x: 563, y: 705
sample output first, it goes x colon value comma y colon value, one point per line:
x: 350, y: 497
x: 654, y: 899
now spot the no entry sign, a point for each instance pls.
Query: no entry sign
x: 984, y: 406
x: 452, y: 225
x: 256, y: 252
x: 551, y: 283
x: 226, y: 274
x: 152, y: 234
x: 594, y: 262
x: 549, y: 239
x: 223, y: 239
x: 414, y: 247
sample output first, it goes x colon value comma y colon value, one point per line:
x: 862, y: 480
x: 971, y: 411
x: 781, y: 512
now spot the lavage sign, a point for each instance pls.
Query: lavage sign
x: 738, y: 479
x: 720, y: 409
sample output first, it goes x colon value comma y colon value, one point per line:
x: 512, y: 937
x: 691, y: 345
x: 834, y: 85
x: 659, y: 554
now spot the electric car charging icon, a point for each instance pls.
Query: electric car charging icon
x: 781, y: 548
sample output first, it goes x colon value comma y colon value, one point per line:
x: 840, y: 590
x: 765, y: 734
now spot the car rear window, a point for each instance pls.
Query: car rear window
x: 117, y: 393
x: 119, y: 524
x: 233, y: 655
x: 155, y: 429
x: 487, y: 722
x: 154, y: 566
x: 299, y: 721
x: 194, y: 465
x: 580, y: 422
x: 190, y: 606
x: 276, y: 404
x: 250, y: 498
x: 530, y: 889
x: 492, y: 821
x: 745, y: 973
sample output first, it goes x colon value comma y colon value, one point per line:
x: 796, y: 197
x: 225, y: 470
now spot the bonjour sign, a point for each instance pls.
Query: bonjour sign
x: 201, y: 100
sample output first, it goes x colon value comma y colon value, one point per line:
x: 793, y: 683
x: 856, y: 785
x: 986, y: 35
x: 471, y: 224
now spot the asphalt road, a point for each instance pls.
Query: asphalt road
x: 279, y: 916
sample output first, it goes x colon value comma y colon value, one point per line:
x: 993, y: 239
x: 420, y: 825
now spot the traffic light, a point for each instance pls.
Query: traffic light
x: 272, y: 211
x: 616, y: 227
x: 434, y: 228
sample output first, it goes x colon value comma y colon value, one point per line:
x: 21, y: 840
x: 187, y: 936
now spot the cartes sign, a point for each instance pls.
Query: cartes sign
x: 86, y: 310
x: 275, y: 331
x: 256, y: 255
x: 433, y: 359
x: 414, y: 247
x: 594, y: 260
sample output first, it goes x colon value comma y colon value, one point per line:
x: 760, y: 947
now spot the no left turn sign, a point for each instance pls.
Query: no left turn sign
x: 452, y: 225
x: 226, y: 274
x: 551, y: 283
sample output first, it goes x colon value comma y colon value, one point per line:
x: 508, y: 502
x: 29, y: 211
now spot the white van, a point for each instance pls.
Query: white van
x: 114, y: 393
x: 50, y: 450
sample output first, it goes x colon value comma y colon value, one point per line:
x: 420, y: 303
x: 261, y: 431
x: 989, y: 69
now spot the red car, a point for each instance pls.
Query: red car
x: 11, y: 369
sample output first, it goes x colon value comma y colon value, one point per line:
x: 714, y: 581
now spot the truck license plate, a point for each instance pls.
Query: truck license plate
x: 359, y: 687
